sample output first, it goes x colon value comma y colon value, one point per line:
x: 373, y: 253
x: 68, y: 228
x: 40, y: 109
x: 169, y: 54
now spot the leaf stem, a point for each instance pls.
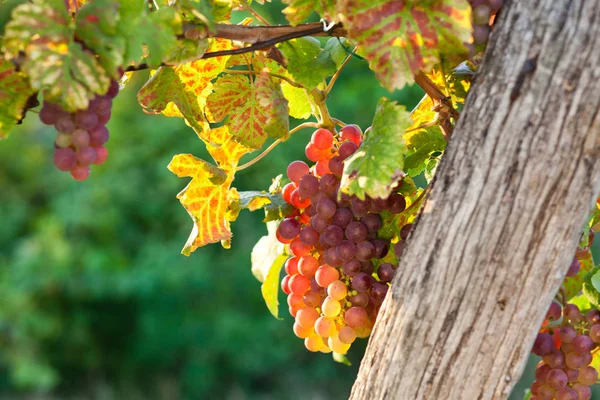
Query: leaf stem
x: 339, y: 122
x: 337, y: 74
x: 250, y: 72
x: 275, y: 143
x: 252, y: 11
x: 325, y: 119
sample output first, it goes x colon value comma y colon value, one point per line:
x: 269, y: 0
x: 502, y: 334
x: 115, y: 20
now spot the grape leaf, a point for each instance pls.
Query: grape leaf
x: 274, y: 205
x: 68, y: 74
x: 377, y: 165
x: 399, y: 38
x: 308, y: 63
x: 574, y: 284
x: 421, y: 144
x: 182, y: 91
x: 14, y: 92
x: 270, y: 287
x: 208, y: 196
x: 256, y: 109
x: 298, y: 101
x: 298, y: 11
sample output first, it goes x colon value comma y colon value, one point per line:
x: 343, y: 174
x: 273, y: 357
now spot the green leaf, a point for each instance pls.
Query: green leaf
x: 298, y: 11
x: 342, y: 359
x: 96, y: 25
x: 274, y: 205
x: 298, y: 101
x: 582, y: 302
x: 399, y: 38
x: 14, y: 92
x: 256, y: 110
x: 58, y: 66
x: 156, y: 32
x: 377, y: 165
x: 308, y: 63
x: 575, y: 284
x: 421, y: 144
x: 267, y: 260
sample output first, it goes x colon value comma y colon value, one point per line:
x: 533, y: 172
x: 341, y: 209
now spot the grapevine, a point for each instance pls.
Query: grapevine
x: 339, y: 226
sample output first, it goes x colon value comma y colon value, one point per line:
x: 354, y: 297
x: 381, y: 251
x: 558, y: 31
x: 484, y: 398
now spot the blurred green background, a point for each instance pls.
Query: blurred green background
x: 96, y: 301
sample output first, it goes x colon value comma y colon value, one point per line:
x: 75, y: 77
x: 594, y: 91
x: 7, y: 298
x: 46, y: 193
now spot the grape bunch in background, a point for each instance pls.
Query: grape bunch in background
x: 483, y: 11
x: 566, y: 345
x: 336, y: 279
x: 81, y: 135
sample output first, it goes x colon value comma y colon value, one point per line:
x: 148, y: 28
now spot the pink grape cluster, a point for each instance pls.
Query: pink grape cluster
x: 336, y: 279
x: 81, y: 135
x: 483, y: 11
x: 566, y: 349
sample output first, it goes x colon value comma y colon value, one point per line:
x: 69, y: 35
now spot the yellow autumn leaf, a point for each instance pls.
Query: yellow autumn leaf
x: 208, y: 196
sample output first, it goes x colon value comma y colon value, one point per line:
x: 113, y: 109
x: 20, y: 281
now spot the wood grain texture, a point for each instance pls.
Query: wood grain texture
x: 500, y: 227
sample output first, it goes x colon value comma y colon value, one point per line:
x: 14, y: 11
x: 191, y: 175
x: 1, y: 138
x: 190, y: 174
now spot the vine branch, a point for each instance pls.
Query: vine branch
x: 260, y: 37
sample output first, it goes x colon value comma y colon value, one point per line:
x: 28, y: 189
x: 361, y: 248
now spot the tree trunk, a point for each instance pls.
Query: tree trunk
x: 501, y: 225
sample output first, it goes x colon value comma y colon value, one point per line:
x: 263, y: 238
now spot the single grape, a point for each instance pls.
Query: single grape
x: 347, y: 149
x: 308, y: 265
x: 583, y: 344
x: 351, y: 267
x: 103, y: 118
x: 101, y: 155
x: 381, y: 248
x: 285, y: 284
x: 565, y: 393
x: 572, y: 374
x: 298, y: 201
x: 336, y: 166
x: 583, y: 392
x: 481, y: 14
x: 480, y: 34
x: 351, y: 133
x: 322, y: 139
x: 325, y: 275
x: 289, y: 228
x: 359, y: 207
x: 372, y: 222
x: 80, y: 172
x: 346, y: 250
x: 555, y: 359
x: 404, y: 231
x: 361, y: 282
x: 333, y: 235
x: 313, y: 343
x: 359, y: 300
x: 378, y: 292
x: 554, y: 311
x: 355, y: 317
x: 331, y: 258
x: 595, y: 333
x: 291, y: 265
x: 86, y: 120
x: 65, y: 124
x: 336, y: 345
x: 399, y: 248
x: 85, y: 155
x: 64, y: 159
x: 309, y: 235
x: 286, y: 192
x: 102, y: 105
x: 574, y: 360
x: 322, y: 168
x: 545, y: 392
x: 396, y: 203
x: 574, y: 267
x: 543, y: 344
x: 301, y: 331
x: 365, y: 251
x: 113, y: 90
x: 367, y: 267
x: 325, y: 327
x: 343, y: 217
x: 337, y: 290
x: 63, y: 140
x: 557, y: 379
x: 347, y: 335
x: 541, y: 372
x: 317, y: 197
x: 314, y: 154
x: 588, y: 376
x: 295, y: 300
x: 49, y: 113
x: 80, y: 138
x: 356, y: 231
x: 385, y: 272
x: 307, y: 317
x: 308, y: 186
x: 567, y: 334
x: 299, y: 284
x: 593, y: 317
x: 312, y: 299
x: 326, y: 207
x: 331, y: 308
x: 328, y: 183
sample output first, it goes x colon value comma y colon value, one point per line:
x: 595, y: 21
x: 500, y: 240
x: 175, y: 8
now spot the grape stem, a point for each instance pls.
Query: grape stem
x: 417, y: 200
x: 275, y: 143
x: 325, y: 120
x: 252, y: 11
x: 339, y: 122
x: 337, y: 73
x: 251, y: 72
x: 441, y: 103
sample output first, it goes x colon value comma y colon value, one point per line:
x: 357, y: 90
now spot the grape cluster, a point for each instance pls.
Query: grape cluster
x: 336, y: 279
x: 566, y: 349
x: 81, y: 135
x: 483, y: 11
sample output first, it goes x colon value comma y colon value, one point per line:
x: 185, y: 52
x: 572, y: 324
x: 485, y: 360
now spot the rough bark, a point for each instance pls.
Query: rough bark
x: 502, y: 222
